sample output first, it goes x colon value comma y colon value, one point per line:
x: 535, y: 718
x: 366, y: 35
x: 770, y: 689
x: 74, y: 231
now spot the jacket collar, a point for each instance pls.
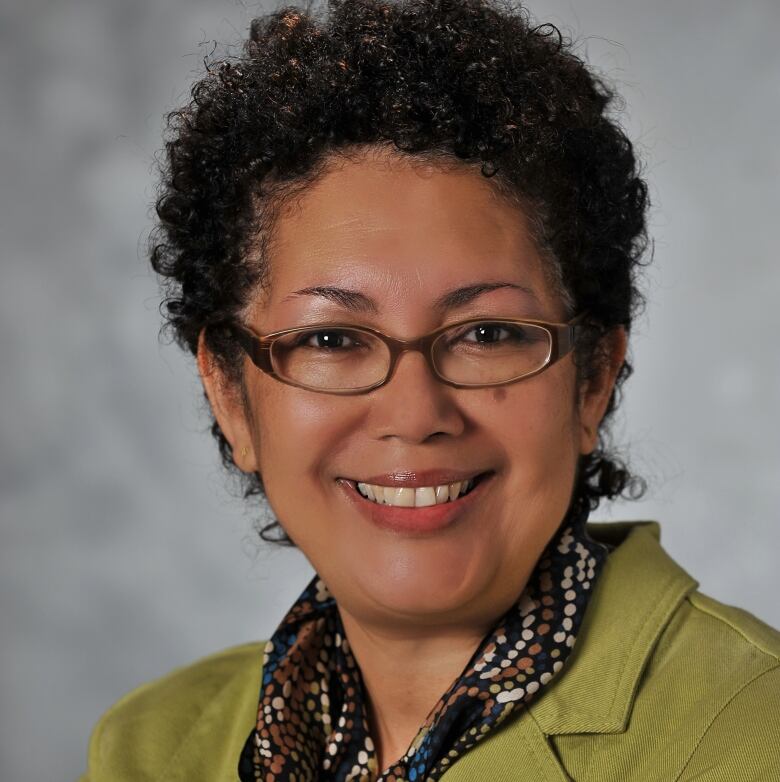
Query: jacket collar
x: 634, y: 599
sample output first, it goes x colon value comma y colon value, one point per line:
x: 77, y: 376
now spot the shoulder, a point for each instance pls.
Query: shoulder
x: 723, y: 649
x: 743, y: 630
x: 203, y: 711
x: 713, y: 682
x: 723, y: 642
x: 734, y: 664
x: 711, y: 693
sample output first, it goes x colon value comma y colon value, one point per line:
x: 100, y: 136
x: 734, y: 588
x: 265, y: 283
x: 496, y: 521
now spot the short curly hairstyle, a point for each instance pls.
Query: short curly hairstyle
x: 458, y: 82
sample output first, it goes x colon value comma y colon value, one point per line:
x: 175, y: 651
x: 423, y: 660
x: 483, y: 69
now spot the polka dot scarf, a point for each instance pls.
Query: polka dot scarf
x: 312, y: 721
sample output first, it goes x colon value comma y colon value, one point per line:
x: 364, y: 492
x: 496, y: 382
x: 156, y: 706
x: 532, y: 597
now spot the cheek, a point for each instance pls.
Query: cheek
x: 538, y: 425
x: 298, y: 435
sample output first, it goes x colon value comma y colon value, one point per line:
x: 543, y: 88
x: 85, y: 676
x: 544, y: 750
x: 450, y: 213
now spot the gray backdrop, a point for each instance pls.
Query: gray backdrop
x: 123, y: 553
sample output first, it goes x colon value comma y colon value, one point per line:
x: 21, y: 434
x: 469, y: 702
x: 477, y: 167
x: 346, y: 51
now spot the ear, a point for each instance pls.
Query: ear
x: 227, y: 406
x: 596, y: 391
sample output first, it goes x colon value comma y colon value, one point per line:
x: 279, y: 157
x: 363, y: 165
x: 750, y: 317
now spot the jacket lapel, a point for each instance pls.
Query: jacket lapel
x: 638, y: 591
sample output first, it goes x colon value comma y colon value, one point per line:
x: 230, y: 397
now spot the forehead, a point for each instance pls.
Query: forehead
x: 402, y: 232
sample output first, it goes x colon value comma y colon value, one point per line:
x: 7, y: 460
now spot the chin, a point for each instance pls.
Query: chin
x: 425, y: 581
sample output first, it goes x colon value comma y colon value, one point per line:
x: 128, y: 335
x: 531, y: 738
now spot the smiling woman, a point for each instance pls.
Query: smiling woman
x: 401, y: 239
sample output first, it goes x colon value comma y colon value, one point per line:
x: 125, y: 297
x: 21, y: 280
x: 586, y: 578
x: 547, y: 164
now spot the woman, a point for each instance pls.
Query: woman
x: 402, y: 241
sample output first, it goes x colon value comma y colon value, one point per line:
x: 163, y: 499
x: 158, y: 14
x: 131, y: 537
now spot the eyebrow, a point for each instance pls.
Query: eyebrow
x: 360, y: 302
x: 462, y: 296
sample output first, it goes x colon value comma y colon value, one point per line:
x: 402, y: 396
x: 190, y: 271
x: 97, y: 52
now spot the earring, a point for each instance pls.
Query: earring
x: 244, y: 451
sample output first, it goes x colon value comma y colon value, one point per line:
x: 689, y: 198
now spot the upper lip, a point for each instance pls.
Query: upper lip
x: 418, y: 478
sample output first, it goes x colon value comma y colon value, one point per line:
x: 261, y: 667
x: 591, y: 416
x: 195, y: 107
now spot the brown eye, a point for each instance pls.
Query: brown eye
x: 488, y: 332
x: 329, y: 339
x: 492, y: 334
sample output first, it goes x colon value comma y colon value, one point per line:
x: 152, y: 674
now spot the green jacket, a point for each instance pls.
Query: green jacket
x: 664, y: 684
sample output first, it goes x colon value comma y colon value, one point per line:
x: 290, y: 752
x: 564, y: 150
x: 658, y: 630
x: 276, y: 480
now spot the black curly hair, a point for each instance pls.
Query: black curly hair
x: 454, y: 82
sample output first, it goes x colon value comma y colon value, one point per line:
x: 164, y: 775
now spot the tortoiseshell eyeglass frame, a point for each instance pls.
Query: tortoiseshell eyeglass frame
x: 259, y: 349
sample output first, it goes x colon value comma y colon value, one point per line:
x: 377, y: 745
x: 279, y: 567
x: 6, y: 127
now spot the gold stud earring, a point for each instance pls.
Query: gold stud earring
x: 244, y: 451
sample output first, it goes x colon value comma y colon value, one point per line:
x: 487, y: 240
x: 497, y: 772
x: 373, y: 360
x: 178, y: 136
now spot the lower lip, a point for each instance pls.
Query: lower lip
x: 420, y: 521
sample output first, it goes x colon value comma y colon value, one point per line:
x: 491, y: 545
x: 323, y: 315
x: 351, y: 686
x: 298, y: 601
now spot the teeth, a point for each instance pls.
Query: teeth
x: 442, y: 493
x: 424, y: 496
x: 403, y: 498
x: 408, y: 497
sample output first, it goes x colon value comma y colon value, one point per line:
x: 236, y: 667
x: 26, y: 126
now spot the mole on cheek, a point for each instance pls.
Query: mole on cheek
x: 499, y: 394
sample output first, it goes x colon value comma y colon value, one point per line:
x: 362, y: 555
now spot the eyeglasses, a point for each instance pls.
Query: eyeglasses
x: 337, y: 358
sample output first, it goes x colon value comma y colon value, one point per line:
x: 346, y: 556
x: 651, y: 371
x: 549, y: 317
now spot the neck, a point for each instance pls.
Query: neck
x: 405, y: 674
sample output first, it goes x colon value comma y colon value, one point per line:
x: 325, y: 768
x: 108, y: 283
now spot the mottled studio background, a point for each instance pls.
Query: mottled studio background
x: 122, y: 553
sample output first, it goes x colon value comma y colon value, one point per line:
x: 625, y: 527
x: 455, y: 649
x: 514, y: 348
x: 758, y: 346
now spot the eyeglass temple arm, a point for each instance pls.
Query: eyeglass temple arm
x: 565, y: 338
x: 258, y: 352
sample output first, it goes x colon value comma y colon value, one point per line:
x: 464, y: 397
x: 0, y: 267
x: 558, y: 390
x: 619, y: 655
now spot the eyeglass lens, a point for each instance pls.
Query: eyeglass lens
x: 341, y: 359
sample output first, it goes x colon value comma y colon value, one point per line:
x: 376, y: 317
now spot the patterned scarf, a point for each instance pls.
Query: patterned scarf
x: 312, y: 720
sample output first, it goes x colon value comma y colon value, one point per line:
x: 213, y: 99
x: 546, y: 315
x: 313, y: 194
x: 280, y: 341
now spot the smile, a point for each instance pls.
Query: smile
x: 418, y: 497
x: 417, y: 503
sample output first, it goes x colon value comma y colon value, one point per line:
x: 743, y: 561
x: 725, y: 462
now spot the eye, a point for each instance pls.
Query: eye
x: 491, y: 332
x: 488, y: 333
x: 493, y: 336
x: 327, y: 339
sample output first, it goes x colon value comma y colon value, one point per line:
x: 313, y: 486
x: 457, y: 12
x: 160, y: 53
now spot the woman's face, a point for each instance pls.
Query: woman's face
x: 399, y: 238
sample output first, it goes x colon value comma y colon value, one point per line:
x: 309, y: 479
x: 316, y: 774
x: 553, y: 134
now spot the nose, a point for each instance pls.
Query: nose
x: 414, y: 405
